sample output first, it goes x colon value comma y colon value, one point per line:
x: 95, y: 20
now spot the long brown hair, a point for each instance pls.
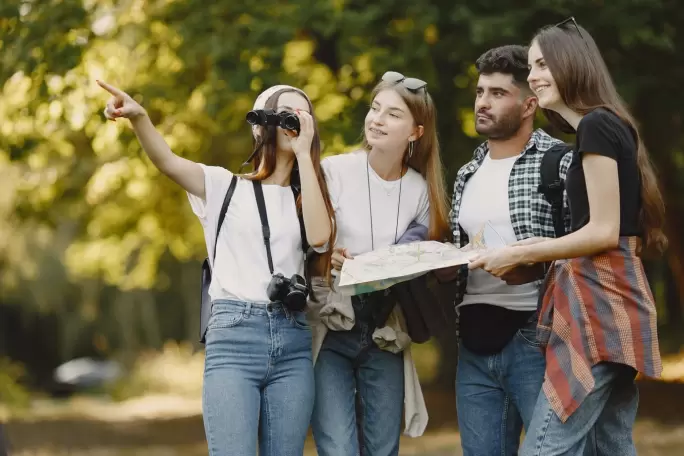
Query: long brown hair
x: 585, y: 84
x: 425, y: 158
x: 264, y: 163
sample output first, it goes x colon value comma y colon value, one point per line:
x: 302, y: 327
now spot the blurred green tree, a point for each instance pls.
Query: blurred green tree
x: 92, y: 233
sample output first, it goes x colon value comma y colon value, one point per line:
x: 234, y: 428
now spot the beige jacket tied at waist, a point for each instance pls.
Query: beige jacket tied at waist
x: 334, y: 311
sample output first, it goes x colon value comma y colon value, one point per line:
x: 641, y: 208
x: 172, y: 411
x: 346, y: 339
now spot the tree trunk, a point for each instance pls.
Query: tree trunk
x: 673, y: 301
x: 448, y: 359
x: 662, y: 136
x: 3, y: 442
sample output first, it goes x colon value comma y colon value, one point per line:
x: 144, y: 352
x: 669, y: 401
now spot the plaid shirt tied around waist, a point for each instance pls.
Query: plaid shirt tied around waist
x: 595, y: 309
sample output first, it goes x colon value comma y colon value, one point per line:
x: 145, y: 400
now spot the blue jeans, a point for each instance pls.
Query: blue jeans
x: 258, y: 380
x: 350, y: 362
x: 496, y: 394
x: 602, y: 425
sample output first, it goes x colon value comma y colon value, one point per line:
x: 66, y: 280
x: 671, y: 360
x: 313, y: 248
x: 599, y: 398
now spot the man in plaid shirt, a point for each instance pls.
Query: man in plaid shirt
x: 500, y: 365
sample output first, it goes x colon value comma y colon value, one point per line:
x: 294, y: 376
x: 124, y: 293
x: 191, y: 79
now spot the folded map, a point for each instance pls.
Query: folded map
x: 384, y: 267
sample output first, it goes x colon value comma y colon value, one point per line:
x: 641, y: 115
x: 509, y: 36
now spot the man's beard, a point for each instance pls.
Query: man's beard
x: 501, y: 128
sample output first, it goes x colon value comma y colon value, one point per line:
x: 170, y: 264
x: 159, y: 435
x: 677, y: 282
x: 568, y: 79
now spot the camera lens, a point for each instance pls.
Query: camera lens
x: 252, y: 117
x: 296, y: 301
x: 290, y: 122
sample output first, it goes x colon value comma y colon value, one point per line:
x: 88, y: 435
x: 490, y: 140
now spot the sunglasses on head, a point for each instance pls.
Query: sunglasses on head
x: 574, y: 22
x: 412, y: 84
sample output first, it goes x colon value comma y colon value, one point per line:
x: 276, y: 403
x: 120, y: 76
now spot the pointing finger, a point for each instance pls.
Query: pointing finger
x: 111, y: 89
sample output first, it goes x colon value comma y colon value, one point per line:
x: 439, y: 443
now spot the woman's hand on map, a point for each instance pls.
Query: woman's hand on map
x: 338, y: 256
x: 498, y: 262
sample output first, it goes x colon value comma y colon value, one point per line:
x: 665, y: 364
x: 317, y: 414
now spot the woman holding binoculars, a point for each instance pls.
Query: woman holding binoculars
x: 258, y: 375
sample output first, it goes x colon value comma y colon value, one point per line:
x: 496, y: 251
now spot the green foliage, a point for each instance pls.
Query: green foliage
x: 12, y: 394
x: 82, y: 208
x: 45, y: 37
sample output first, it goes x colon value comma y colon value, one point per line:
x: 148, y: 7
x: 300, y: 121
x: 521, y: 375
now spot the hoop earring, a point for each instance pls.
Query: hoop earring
x: 410, y: 148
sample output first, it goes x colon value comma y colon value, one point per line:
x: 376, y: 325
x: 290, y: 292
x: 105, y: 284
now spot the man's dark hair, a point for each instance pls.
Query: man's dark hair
x: 510, y: 59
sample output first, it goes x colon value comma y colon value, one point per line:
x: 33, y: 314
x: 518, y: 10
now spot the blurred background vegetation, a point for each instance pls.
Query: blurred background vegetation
x: 100, y: 254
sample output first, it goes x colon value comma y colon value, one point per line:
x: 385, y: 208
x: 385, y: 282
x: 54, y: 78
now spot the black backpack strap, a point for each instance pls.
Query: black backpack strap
x: 552, y: 186
x: 205, y: 301
x: 265, y: 229
x: 224, y: 209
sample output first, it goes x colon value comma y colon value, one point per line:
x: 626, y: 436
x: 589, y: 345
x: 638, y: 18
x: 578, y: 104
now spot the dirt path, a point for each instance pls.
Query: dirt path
x: 184, y: 437
x: 167, y: 426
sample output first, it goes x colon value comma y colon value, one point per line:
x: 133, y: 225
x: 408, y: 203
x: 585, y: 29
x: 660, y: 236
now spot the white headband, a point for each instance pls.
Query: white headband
x: 266, y: 94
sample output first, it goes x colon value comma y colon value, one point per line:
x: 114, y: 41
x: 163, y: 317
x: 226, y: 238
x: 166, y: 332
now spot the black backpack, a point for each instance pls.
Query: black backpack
x: 552, y: 186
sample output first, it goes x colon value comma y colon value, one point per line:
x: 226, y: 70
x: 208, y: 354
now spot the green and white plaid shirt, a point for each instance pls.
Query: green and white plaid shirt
x: 530, y: 212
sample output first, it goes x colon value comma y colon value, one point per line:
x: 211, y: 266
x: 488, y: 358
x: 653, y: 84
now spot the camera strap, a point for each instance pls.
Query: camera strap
x: 266, y: 230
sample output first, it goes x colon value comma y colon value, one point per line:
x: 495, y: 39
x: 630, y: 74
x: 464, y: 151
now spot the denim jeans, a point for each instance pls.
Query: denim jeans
x: 496, y: 394
x: 601, y: 426
x: 258, y: 380
x: 350, y: 362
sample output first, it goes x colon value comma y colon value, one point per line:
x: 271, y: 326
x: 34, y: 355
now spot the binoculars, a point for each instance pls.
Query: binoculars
x: 265, y: 117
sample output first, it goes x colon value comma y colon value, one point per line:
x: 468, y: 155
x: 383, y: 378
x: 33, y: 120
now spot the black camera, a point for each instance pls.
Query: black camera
x: 265, y: 117
x: 291, y: 292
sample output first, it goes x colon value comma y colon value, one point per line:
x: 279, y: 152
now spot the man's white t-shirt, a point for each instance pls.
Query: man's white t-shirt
x: 354, y: 187
x: 485, y: 199
x: 241, y: 270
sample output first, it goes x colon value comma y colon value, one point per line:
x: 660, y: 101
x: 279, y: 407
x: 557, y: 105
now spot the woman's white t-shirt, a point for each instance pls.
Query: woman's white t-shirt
x: 349, y: 178
x: 241, y: 270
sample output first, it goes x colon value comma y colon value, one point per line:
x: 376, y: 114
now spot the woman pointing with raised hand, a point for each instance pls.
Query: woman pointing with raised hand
x: 258, y: 375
